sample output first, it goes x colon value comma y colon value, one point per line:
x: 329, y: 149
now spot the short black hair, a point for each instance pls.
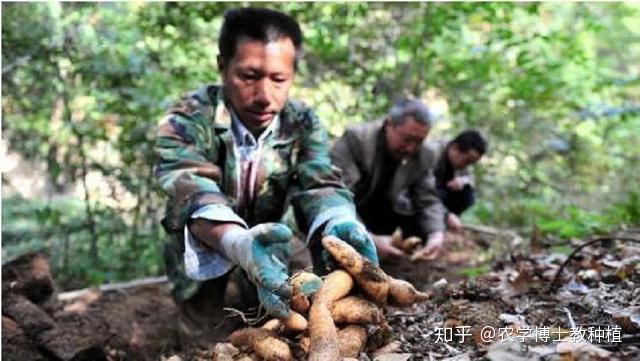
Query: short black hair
x: 471, y: 139
x: 261, y: 24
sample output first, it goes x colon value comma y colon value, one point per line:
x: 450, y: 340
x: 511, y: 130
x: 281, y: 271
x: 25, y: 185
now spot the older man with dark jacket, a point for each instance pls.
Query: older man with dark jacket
x: 389, y: 168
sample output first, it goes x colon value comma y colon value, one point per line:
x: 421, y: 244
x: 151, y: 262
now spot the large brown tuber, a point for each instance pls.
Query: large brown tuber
x: 322, y: 329
x: 263, y: 342
x: 367, y: 275
x: 353, y: 339
x: 353, y: 309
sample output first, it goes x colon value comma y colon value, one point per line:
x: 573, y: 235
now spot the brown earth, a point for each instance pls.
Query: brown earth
x: 139, y: 323
x: 128, y: 324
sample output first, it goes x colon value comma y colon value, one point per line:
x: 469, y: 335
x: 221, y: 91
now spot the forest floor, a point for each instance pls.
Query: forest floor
x: 491, y: 298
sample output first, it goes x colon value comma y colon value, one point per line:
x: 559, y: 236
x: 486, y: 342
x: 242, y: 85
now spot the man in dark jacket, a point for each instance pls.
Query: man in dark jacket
x: 454, y: 178
x: 389, y: 168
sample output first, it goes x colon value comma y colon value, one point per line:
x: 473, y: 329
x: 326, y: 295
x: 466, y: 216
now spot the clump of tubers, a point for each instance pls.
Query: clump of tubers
x: 318, y: 304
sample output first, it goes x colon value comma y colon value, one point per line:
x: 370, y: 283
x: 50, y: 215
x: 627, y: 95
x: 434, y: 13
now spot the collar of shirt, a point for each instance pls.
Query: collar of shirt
x: 245, y: 141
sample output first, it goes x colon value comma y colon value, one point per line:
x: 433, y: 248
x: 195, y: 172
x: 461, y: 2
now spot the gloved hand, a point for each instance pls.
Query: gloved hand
x: 263, y: 252
x: 355, y: 234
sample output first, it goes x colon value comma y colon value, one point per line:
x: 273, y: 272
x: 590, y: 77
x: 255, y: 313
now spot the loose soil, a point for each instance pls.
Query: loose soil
x: 597, y: 289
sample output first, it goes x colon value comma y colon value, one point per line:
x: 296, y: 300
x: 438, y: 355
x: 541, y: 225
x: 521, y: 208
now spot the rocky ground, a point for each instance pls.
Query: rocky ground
x: 491, y: 297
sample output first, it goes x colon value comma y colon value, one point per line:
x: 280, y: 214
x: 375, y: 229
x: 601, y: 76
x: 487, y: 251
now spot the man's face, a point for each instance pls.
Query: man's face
x: 460, y: 159
x: 257, y: 80
x: 404, y: 140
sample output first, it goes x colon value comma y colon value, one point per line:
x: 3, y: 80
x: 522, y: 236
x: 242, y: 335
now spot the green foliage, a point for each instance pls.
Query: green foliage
x: 563, y: 220
x: 474, y: 272
x: 555, y: 86
x: 59, y: 228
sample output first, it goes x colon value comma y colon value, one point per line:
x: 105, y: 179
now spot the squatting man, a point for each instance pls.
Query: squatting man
x: 232, y: 157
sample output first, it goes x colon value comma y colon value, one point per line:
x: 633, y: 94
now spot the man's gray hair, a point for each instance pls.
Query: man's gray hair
x: 414, y: 108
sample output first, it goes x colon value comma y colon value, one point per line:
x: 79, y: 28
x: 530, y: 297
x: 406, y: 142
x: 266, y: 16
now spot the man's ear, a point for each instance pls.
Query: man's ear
x: 220, y: 64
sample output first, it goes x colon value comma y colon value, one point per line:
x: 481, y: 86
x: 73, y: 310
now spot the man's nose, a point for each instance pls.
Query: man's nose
x: 261, y: 93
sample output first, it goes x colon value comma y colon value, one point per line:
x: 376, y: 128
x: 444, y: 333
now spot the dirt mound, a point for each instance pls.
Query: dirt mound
x: 130, y: 324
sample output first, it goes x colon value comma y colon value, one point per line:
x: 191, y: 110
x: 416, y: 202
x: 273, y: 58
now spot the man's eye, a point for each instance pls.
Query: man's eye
x: 279, y: 79
x: 249, y: 76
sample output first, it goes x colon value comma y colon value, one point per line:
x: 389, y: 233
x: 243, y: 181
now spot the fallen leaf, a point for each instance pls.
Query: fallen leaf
x: 509, y: 319
x: 628, y: 319
x: 577, y: 287
x: 508, y: 351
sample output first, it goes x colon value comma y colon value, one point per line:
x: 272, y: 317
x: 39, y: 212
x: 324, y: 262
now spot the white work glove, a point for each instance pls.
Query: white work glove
x: 263, y: 252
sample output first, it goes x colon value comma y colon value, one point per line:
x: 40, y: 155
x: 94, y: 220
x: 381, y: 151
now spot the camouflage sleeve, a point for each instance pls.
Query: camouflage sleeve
x: 431, y: 210
x: 186, y: 169
x: 322, y: 194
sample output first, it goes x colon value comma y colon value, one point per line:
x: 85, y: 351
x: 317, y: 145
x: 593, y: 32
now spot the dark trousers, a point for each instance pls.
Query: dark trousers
x: 385, y: 222
x: 457, y: 202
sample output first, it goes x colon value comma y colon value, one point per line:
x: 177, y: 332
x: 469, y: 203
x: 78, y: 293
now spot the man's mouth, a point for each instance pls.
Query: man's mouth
x: 262, y: 116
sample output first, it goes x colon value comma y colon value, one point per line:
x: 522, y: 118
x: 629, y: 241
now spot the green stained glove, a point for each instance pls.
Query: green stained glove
x: 263, y: 252
x: 356, y: 235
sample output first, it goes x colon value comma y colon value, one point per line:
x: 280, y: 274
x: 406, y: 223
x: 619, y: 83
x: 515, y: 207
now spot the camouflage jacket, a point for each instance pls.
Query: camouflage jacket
x: 198, y: 166
x: 412, y: 190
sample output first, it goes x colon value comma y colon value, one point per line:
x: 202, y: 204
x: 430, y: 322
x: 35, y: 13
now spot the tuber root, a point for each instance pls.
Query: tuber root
x: 273, y: 325
x: 295, y: 322
x: 303, y: 285
x: 322, y: 330
x: 369, y: 276
x: 353, y: 339
x: 402, y: 293
x: 336, y: 285
x: 263, y: 342
x: 224, y: 352
x: 396, y: 240
x: 356, y: 310
x: 300, y: 303
x: 410, y: 244
x: 323, y: 334
x: 305, y: 344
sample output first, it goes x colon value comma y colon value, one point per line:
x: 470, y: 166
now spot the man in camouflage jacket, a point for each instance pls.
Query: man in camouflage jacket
x: 231, y: 159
